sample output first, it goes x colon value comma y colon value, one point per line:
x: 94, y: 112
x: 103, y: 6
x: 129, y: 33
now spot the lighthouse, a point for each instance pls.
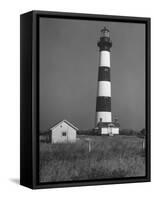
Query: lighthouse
x: 103, y: 100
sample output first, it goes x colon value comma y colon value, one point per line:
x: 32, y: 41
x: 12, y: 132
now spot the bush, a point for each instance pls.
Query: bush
x: 128, y: 132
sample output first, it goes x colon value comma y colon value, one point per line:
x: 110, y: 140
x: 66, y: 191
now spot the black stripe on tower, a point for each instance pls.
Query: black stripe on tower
x: 104, y: 44
x: 104, y: 74
x: 103, y: 104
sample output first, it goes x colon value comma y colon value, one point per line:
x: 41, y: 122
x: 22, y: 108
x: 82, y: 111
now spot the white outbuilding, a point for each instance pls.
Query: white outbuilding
x: 63, y: 132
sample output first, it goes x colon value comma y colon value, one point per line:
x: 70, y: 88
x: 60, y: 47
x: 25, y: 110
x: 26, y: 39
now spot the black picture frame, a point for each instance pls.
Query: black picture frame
x: 29, y: 97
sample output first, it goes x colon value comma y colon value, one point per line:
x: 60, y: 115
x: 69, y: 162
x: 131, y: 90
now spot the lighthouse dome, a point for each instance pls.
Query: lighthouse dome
x: 105, y: 32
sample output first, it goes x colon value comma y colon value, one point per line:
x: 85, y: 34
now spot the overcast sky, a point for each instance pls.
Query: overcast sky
x: 69, y: 60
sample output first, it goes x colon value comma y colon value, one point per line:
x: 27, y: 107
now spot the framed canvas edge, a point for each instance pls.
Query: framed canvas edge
x: 35, y: 81
x: 25, y: 100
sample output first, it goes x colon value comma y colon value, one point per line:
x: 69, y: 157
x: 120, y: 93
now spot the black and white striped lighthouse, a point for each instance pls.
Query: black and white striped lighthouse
x: 103, y: 102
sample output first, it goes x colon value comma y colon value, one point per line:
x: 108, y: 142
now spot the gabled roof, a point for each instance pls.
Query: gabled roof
x: 67, y: 122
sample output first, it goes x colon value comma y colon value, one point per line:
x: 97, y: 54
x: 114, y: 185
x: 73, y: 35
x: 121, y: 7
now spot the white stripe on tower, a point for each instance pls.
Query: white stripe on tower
x: 106, y: 116
x: 103, y: 104
x: 104, y: 58
x: 104, y: 88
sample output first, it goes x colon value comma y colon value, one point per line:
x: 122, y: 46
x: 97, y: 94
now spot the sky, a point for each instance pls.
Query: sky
x: 69, y: 61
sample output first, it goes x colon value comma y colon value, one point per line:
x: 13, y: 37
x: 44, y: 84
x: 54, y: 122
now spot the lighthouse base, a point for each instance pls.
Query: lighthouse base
x: 110, y: 131
x: 107, y: 128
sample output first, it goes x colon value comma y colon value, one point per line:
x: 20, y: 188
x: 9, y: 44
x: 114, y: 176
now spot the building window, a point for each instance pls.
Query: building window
x: 63, y: 133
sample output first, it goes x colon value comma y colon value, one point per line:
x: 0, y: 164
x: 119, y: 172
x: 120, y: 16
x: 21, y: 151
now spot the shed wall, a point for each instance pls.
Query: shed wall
x: 57, y: 134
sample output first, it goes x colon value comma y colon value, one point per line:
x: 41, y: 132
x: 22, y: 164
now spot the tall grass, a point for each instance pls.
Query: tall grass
x: 111, y: 157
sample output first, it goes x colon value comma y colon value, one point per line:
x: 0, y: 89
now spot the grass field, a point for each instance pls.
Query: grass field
x: 111, y: 157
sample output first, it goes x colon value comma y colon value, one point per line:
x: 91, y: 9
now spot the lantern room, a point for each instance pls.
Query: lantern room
x: 105, y: 42
x: 105, y: 32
